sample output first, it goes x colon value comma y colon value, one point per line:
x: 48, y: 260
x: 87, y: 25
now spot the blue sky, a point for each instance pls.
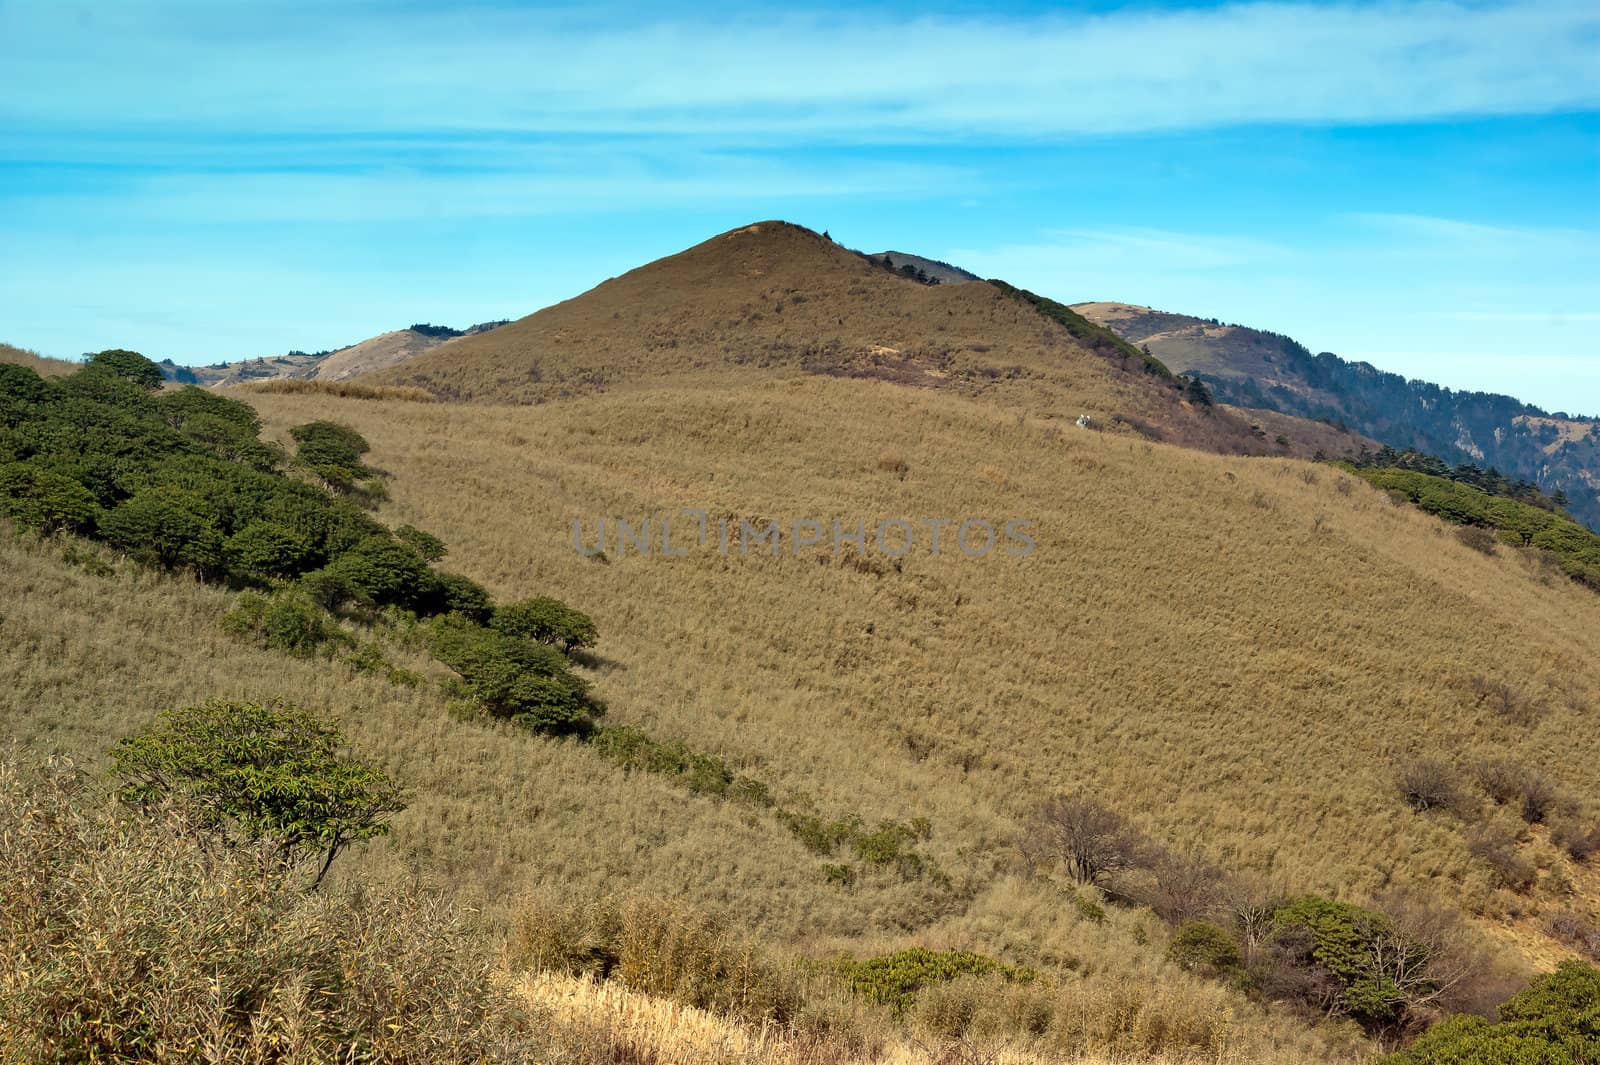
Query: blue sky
x: 1415, y: 184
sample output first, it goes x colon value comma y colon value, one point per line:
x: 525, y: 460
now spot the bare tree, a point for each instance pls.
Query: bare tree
x: 1090, y: 840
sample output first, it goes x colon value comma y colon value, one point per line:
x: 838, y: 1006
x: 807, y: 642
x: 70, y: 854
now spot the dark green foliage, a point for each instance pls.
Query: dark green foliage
x: 184, y: 480
x: 284, y: 621
x: 1201, y: 946
x: 333, y: 452
x: 1372, y: 969
x: 1096, y: 338
x: 226, y: 427
x: 265, y: 550
x: 430, y: 547
x: 271, y: 775
x: 45, y: 500
x: 702, y: 774
x: 458, y: 595
x: 512, y: 678
x: 546, y: 620
x: 1517, y: 521
x: 127, y: 366
x: 167, y: 527
x: 1554, y: 1021
x: 381, y: 571
x: 894, y: 980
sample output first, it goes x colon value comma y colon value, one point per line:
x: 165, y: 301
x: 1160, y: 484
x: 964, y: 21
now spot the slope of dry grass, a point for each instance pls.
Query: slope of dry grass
x: 39, y: 364
x: 1235, y: 651
x: 772, y: 298
x: 1232, y: 651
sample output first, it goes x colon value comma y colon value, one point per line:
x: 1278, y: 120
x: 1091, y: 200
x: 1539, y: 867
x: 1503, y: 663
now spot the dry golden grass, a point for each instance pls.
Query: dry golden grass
x: 773, y: 298
x: 643, y: 1027
x: 297, y: 386
x: 39, y: 364
x: 1232, y: 651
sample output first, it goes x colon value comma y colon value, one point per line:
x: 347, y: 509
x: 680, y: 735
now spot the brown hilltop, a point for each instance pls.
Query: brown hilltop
x: 775, y: 298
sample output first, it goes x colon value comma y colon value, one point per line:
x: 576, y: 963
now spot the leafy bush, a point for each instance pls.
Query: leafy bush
x: 1360, y: 963
x: 1201, y: 946
x: 1555, y: 1021
x: 545, y: 620
x: 284, y: 621
x: 45, y: 500
x: 167, y: 527
x: 380, y: 571
x: 273, y: 776
x: 512, y: 678
x: 894, y: 980
x: 428, y: 546
x: 702, y: 774
x: 266, y: 550
x: 127, y: 366
x: 331, y: 451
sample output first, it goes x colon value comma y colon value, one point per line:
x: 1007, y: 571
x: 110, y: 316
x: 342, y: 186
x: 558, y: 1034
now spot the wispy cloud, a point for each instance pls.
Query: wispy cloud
x: 544, y: 187
x: 1122, y: 247
x: 322, y: 67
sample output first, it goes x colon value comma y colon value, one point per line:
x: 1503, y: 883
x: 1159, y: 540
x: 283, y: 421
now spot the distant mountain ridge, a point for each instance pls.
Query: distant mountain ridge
x: 1256, y: 368
x: 337, y: 364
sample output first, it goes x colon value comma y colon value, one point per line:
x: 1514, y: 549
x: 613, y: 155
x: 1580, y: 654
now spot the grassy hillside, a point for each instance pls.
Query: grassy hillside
x: 337, y: 364
x: 39, y: 364
x: 1233, y: 651
x: 1248, y: 658
x: 1254, y: 368
x: 773, y: 298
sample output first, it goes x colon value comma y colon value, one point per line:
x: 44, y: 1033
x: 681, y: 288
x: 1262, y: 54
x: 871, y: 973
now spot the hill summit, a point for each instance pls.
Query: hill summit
x: 774, y: 298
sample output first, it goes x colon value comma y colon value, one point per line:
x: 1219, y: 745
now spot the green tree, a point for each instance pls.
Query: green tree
x: 1376, y: 971
x: 128, y: 365
x: 514, y: 678
x: 1554, y: 1021
x: 45, y: 500
x: 264, y: 550
x: 273, y: 775
x: 380, y: 571
x: 546, y: 620
x: 430, y: 547
x: 166, y: 527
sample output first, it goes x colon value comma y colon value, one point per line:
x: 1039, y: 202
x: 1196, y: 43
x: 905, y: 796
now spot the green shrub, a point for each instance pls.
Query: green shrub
x: 167, y: 527
x: 430, y: 547
x: 1204, y: 947
x: 511, y: 678
x: 545, y: 620
x: 1554, y: 1021
x: 380, y: 571
x: 126, y: 366
x: 265, y: 550
x: 284, y: 621
x: 331, y: 451
x: 45, y: 500
x: 271, y: 775
x: 1373, y: 969
x: 894, y: 980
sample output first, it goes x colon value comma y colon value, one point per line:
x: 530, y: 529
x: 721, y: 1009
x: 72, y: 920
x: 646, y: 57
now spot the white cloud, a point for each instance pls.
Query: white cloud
x: 316, y: 67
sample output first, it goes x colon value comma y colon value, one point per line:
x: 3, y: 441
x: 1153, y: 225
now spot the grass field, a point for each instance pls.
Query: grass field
x: 1234, y: 652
